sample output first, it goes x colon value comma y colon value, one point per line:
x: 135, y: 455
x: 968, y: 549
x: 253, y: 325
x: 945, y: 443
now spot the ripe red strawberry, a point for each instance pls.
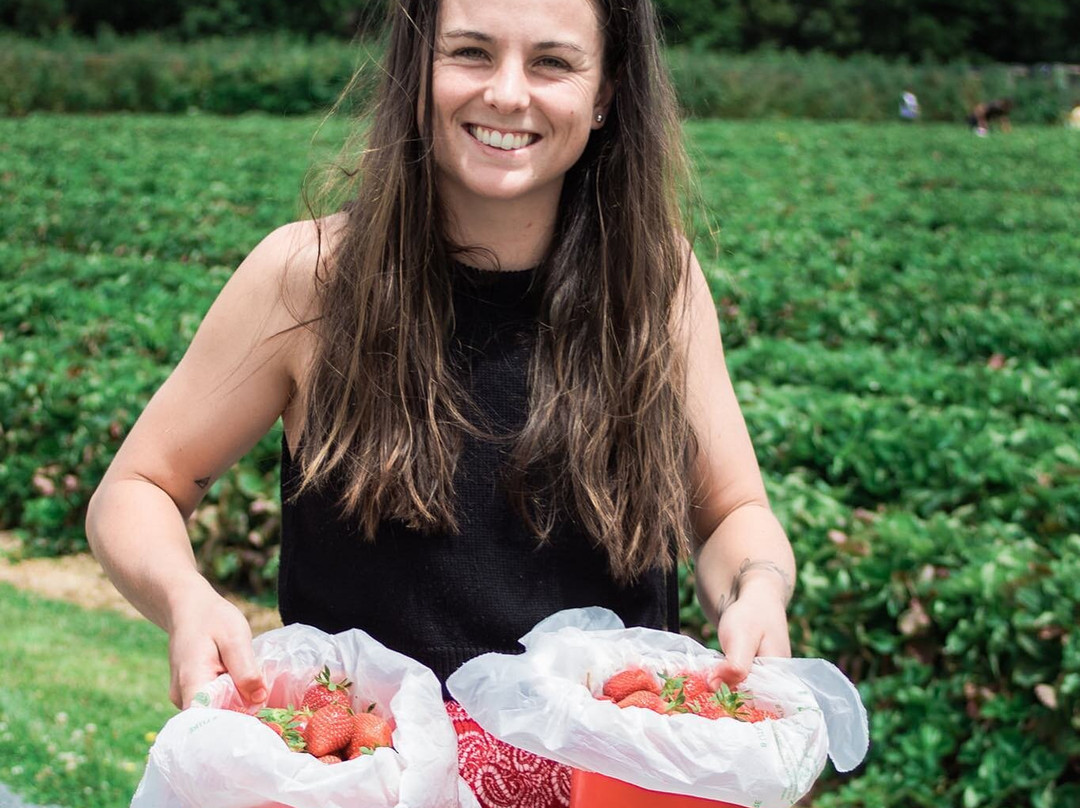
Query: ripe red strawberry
x: 329, y: 759
x: 631, y: 680
x: 325, y: 690
x: 694, y: 684
x: 755, y: 714
x: 369, y: 733
x: 285, y: 722
x: 646, y: 699
x: 707, y: 705
x: 329, y: 730
x: 684, y: 688
x: 300, y: 720
x: 733, y: 701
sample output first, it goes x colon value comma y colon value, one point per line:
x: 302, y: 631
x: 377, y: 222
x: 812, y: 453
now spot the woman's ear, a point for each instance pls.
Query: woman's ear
x: 603, y: 103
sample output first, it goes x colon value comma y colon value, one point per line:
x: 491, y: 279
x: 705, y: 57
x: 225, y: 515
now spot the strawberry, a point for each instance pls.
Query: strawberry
x: 329, y: 759
x: 707, y: 705
x: 284, y: 721
x: 684, y: 688
x: 300, y: 720
x: 755, y: 714
x: 330, y: 729
x: 631, y: 680
x: 732, y: 701
x: 369, y: 733
x: 646, y: 699
x: 324, y: 690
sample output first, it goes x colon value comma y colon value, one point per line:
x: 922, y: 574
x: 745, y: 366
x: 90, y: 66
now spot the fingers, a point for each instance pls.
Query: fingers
x: 749, y: 628
x: 739, y: 650
x: 191, y: 679
x: 210, y: 641
x: 239, y: 660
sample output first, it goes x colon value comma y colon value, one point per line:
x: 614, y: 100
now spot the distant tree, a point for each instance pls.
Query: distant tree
x: 1030, y: 31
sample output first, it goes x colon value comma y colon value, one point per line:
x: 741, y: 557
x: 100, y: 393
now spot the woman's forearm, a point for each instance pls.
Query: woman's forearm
x: 749, y: 549
x: 138, y: 536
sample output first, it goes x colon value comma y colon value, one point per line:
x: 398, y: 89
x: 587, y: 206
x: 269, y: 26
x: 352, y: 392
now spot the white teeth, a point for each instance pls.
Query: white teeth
x: 499, y: 140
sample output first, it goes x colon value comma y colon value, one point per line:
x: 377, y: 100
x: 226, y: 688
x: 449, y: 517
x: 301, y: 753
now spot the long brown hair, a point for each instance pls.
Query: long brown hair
x: 607, y: 440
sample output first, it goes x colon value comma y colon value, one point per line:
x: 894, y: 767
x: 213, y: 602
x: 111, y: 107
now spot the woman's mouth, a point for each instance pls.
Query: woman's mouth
x: 507, y: 141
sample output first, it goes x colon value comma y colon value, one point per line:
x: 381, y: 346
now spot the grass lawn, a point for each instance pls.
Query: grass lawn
x: 81, y: 694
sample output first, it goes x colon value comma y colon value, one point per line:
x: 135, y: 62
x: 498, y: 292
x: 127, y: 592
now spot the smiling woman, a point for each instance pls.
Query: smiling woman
x: 499, y: 370
x: 517, y: 89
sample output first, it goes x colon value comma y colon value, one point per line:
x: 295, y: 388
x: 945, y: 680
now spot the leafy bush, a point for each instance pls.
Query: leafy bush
x: 282, y: 74
x: 276, y: 74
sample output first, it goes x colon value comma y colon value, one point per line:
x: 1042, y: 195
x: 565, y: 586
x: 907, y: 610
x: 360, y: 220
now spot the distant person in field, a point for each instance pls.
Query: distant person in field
x: 909, y: 106
x: 987, y: 112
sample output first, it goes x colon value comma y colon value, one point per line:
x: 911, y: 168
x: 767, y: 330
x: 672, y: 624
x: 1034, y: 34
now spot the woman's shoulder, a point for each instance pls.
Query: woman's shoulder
x: 279, y: 278
x: 298, y: 253
x: 274, y: 293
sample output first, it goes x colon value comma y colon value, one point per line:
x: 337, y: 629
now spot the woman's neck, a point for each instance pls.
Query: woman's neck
x: 516, y: 233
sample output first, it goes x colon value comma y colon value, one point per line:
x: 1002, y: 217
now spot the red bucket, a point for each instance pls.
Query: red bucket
x: 589, y: 790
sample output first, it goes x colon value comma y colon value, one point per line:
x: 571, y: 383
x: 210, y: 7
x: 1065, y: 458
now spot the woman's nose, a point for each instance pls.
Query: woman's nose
x: 508, y: 90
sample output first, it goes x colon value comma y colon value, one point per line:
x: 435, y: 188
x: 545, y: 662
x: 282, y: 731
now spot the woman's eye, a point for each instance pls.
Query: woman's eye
x: 469, y: 53
x: 551, y: 61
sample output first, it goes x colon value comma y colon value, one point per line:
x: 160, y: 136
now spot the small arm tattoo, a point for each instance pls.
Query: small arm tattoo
x: 745, y: 568
x: 202, y: 482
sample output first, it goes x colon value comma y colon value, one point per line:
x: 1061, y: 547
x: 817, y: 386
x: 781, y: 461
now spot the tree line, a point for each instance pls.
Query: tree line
x: 1024, y: 31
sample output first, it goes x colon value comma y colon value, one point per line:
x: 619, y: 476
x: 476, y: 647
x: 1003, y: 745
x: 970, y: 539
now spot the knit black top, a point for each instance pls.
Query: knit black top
x: 446, y: 598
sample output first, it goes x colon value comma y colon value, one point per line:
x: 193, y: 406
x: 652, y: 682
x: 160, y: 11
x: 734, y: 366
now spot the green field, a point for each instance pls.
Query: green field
x: 81, y: 695
x: 900, y: 309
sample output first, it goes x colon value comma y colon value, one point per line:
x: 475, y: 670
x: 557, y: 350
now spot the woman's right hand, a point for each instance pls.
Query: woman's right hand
x: 209, y: 636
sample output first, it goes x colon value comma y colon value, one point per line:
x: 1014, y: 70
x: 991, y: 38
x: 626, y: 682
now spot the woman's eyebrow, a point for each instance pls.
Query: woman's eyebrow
x: 552, y: 45
x: 461, y: 33
x: 480, y: 36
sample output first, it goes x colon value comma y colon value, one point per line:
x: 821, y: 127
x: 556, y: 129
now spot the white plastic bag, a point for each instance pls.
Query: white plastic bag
x: 212, y: 756
x: 544, y: 701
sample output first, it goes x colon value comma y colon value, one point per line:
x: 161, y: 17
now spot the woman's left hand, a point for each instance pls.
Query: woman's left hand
x: 754, y: 624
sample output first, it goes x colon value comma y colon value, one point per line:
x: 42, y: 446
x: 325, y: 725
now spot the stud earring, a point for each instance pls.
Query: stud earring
x: 599, y: 118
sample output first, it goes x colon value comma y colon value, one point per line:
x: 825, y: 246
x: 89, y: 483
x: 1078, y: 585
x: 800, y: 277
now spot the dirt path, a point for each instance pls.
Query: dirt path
x: 78, y: 579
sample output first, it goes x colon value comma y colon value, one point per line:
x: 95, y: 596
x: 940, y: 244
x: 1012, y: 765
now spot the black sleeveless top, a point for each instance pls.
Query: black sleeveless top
x: 444, y: 599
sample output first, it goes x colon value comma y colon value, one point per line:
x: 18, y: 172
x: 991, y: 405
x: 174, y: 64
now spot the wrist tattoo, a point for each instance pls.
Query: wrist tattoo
x: 202, y: 482
x: 745, y: 568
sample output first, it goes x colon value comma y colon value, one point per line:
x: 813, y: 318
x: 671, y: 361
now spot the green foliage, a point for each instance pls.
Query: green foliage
x: 114, y: 243
x: 284, y: 75
x: 820, y: 86
x: 190, y: 18
x: 899, y: 308
x: 276, y: 74
x: 1010, y: 30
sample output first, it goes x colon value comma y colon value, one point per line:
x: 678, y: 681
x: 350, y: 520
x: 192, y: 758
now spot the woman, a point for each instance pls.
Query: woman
x: 499, y: 371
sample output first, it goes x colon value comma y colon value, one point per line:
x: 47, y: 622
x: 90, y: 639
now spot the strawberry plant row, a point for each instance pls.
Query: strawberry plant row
x: 957, y: 632
x: 1010, y: 386
x: 884, y: 449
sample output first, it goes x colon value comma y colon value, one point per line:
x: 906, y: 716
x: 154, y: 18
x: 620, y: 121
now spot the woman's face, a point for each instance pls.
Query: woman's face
x: 516, y: 88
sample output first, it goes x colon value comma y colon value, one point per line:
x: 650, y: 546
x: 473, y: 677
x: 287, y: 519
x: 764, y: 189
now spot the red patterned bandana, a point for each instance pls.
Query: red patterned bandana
x: 503, y: 776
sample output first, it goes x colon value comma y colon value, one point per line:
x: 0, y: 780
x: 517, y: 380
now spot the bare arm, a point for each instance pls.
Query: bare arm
x: 744, y: 565
x: 232, y: 384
